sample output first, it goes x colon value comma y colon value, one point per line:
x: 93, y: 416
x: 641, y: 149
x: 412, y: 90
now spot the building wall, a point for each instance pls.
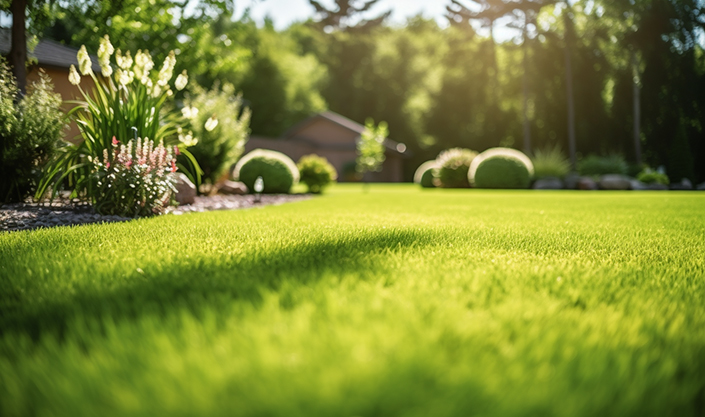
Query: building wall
x: 325, y: 132
x: 392, y: 169
x: 60, y: 78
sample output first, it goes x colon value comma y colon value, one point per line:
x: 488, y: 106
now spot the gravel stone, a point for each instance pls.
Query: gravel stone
x: 64, y: 212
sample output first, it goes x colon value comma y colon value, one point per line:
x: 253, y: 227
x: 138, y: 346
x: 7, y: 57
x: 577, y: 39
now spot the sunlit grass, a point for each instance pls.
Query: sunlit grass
x: 393, y: 302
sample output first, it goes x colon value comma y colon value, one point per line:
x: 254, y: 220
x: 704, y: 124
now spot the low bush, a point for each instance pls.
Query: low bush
x: 424, y: 174
x: 30, y: 131
x: 501, y: 168
x: 316, y: 172
x: 595, y: 165
x: 221, y: 125
x: 138, y: 179
x: 277, y: 170
x: 649, y: 176
x: 550, y: 162
x: 452, y: 168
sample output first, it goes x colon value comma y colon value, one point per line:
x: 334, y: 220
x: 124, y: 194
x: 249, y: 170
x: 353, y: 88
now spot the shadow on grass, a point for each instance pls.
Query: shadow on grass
x: 207, y: 282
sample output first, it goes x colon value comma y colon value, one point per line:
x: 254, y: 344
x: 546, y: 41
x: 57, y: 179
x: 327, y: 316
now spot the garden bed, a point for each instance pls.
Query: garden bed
x: 29, y: 216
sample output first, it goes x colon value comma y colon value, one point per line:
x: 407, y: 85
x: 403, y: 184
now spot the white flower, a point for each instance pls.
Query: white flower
x: 181, y: 81
x: 189, y: 112
x: 211, y: 123
x: 167, y: 69
x: 74, y: 78
x: 188, y: 140
x: 156, y: 91
x: 143, y: 65
x: 123, y: 61
x: 104, y: 52
x: 84, y: 61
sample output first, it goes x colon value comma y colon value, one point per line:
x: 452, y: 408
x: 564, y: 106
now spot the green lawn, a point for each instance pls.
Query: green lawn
x: 397, y: 302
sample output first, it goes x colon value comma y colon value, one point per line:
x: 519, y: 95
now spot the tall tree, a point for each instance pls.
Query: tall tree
x: 342, y: 16
x: 26, y: 14
x: 487, y: 12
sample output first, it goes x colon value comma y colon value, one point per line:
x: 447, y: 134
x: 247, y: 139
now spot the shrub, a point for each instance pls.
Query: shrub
x: 222, y: 139
x: 594, y: 165
x: 452, y: 168
x: 29, y: 133
x: 501, y: 168
x: 127, y: 103
x: 277, y: 170
x: 316, y: 172
x: 649, y: 176
x: 136, y: 180
x: 424, y: 174
x: 370, y: 147
x: 550, y: 162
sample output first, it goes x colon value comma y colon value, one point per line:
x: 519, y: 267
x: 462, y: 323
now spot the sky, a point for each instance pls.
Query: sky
x: 285, y: 12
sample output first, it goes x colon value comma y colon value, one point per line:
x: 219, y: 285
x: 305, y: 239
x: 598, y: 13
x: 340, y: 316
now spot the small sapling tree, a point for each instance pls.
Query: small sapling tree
x: 370, y: 149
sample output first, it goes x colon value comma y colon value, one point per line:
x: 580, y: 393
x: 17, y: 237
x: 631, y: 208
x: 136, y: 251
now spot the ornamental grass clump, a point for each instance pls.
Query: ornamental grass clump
x: 550, y: 162
x: 452, y: 168
x: 316, y: 172
x: 135, y: 179
x: 130, y: 100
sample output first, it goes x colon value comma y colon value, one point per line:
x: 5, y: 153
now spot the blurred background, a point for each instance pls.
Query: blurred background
x: 591, y: 77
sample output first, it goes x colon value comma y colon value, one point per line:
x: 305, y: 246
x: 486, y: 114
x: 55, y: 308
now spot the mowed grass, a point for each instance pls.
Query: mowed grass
x: 396, y: 302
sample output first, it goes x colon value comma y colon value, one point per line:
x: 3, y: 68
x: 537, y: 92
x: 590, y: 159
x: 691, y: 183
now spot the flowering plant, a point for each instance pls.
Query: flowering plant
x: 129, y: 100
x: 135, y: 179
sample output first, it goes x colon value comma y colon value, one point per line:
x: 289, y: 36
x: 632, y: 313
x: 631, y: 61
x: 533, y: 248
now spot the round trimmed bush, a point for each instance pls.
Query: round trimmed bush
x: 316, y: 172
x: 501, y: 168
x: 452, y: 168
x: 277, y: 170
x: 424, y: 174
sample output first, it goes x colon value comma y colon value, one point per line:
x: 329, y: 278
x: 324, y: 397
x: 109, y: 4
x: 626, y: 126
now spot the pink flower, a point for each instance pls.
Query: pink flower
x: 115, y: 141
x: 176, y: 151
x: 129, y: 163
x: 107, y: 165
x: 173, y: 165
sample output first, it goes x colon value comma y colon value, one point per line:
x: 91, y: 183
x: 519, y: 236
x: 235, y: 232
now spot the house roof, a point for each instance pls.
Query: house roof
x: 329, y: 116
x: 47, y: 52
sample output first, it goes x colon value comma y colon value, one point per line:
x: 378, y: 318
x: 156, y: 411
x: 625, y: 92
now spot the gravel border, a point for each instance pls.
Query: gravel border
x: 30, y: 216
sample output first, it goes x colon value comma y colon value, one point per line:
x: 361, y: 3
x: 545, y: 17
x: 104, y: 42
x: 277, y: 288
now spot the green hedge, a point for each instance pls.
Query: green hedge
x: 501, y: 168
x: 424, y: 174
x: 277, y: 170
x: 452, y: 168
x: 316, y: 172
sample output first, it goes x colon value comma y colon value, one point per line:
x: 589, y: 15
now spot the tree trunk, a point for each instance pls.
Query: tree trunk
x: 637, y: 107
x: 18, y: 50
x: 569, y: 89
x: 525, y: 82
x: 495, y: 67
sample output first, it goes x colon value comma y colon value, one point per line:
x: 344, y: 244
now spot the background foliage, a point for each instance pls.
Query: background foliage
x: 442, y: 86
x: 29, y: 134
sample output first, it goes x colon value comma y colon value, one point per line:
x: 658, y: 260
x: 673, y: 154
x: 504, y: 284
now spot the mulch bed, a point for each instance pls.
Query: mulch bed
x: 29, y: 216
